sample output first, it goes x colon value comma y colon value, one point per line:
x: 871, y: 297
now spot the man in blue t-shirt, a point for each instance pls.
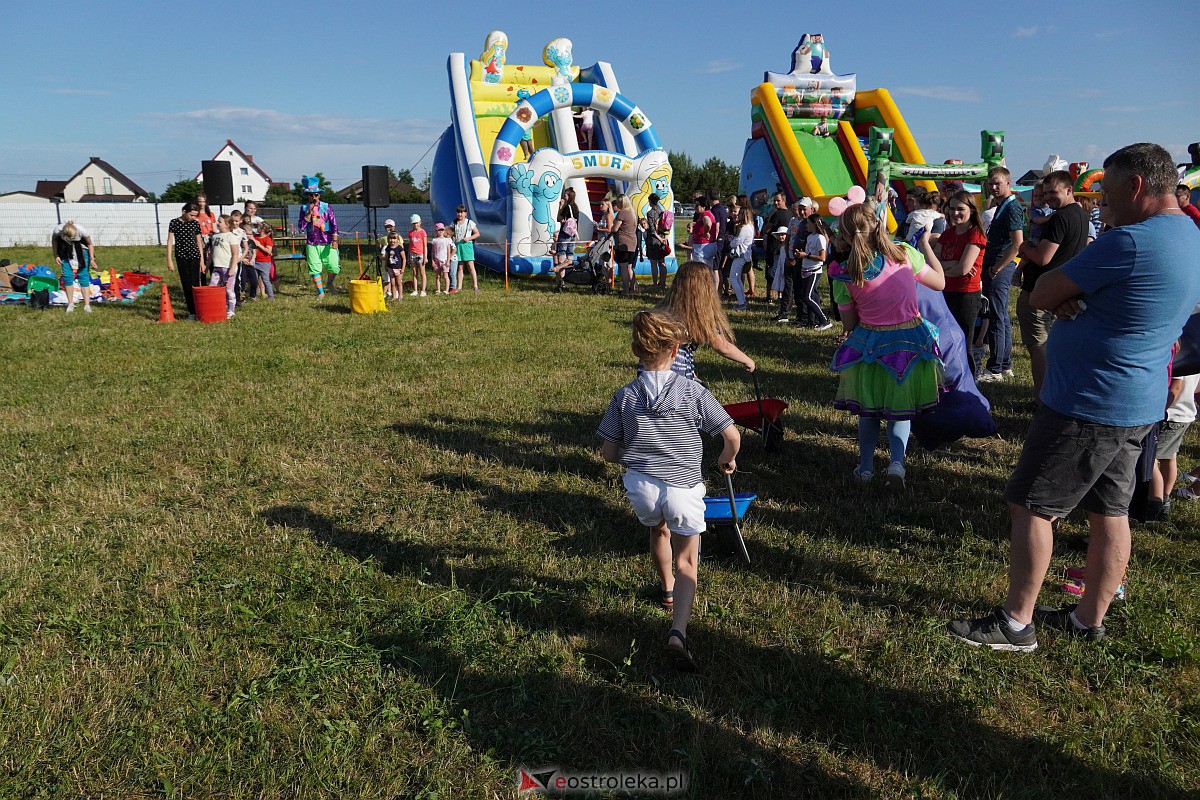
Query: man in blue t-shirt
x: 1004, y: 237
x: 1120, y: 306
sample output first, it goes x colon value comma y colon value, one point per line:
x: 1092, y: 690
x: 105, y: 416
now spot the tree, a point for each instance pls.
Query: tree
x: 280, y: 195
x: 714, y: 175
x: 404, y: 176
x: 182, y: 191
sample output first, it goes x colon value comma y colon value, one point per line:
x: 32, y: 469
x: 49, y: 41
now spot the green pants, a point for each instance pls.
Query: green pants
x: 322, y: 257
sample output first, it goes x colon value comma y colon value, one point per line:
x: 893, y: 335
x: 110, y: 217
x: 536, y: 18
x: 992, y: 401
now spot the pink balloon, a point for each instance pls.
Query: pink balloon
x: 856, y: 195
x: 837, y: 206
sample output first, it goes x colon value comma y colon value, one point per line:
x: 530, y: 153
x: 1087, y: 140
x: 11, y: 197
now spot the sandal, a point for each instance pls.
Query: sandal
x: 680, y: 657
x: 668, y: 601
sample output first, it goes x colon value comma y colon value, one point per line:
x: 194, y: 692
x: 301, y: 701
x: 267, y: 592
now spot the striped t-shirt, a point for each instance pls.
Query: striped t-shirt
x: 657, y: 420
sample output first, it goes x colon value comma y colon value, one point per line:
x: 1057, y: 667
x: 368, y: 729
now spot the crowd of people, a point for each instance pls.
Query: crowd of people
x: 1100, y: 315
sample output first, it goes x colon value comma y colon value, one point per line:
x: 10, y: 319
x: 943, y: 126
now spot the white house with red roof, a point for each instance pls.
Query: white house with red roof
x: 250, y: 182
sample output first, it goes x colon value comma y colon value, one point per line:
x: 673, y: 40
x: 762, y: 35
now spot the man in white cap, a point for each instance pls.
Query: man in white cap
x: 416, y: 254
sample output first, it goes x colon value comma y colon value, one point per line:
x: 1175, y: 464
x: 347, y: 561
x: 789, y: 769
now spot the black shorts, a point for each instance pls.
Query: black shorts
x: 1068, y: 462
x: 625, y: 255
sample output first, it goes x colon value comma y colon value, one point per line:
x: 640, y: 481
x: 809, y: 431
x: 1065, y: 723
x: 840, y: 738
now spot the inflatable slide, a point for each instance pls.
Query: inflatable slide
x: 513, y: 146
x: 810, y: 129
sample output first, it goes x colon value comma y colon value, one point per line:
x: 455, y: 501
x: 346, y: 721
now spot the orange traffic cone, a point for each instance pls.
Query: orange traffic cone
x: 113, y: 292
x: 165, y: 312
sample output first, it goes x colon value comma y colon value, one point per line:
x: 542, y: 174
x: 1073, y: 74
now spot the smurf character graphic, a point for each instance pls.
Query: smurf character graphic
x: 495, y: 47
x: 811, y: 56
x: 542, y: 194
x: 557, y: 54
x: 657, y: 182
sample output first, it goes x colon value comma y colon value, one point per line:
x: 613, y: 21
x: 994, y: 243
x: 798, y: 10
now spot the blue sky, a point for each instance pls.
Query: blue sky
x: 154, y: 88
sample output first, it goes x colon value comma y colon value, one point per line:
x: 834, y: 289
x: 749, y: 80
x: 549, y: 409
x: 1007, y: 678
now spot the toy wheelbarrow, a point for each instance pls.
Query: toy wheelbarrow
x: 722, y: 517
x: 762, y: 414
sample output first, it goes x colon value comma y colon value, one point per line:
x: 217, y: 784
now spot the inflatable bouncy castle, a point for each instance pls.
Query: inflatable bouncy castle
x: 513, y: 147
x: 810, y: 130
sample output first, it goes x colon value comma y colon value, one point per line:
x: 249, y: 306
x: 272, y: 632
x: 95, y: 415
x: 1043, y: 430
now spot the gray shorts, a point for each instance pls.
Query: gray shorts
x: 1068, y: 462
x: 1035, y: 324
x: 1170, y: 436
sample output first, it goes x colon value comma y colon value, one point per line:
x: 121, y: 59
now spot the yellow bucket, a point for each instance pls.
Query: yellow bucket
x: 366, y: 297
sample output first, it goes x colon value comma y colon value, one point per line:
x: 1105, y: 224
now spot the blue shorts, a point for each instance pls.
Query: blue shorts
x: 71, y: 274
x: 566, y: 245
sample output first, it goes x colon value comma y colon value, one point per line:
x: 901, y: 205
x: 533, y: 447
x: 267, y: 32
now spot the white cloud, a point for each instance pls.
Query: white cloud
x: 92, y: 92
x: 949, y: 94
x: 311, y: 129
x: 714, y: 67
x: 1025, y: 33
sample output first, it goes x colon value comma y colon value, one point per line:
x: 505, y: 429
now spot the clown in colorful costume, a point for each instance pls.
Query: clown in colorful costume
x: 890, y: 364
x: 319, y: 226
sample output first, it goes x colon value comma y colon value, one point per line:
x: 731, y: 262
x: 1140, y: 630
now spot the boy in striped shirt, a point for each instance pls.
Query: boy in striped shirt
x: 652, y: 427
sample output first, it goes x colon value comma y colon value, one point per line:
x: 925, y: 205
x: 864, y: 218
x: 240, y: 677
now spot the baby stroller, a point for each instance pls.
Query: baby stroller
x: 591, y: 268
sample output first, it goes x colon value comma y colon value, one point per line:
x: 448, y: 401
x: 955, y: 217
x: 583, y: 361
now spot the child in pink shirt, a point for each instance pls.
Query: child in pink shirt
x: 416, y: 254
x: 890, y: 366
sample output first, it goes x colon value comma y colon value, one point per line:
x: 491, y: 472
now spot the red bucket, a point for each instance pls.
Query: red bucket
x: 210, y: 303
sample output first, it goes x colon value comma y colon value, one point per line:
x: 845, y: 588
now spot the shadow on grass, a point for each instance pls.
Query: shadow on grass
x: 541, y: 670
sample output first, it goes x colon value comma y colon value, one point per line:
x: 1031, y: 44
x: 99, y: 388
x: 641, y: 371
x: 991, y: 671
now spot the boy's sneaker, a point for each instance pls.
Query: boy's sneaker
x: 993, y: 631
x: 781, y: 320
x: 895, y: 475
x: 1186, y: 493
x: 741, y: 307
x: 452, y: 291
x: 1008, y: 373
x: 824, y: 327
x: 1076, y: 585
x: 1060, y: 620
x: 990, y: 377
x: 863, y: 477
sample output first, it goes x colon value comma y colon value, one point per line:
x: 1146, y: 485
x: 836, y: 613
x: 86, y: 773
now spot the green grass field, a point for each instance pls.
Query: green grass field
x: 315, y: 554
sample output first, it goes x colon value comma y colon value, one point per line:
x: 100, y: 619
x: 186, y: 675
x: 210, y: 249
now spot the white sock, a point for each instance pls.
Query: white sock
x: 1012, y: 624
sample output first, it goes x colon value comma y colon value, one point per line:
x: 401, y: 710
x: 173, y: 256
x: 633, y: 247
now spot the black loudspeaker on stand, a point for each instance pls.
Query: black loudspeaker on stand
x: 375, y: 187
x: 218, y: 182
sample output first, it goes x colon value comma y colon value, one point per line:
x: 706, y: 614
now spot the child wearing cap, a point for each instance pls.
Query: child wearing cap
x: 439, y: 255
x: 392, y: 255
x: 416, y: 253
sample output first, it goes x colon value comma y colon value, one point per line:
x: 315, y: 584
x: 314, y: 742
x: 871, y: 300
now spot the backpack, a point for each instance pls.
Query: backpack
x: 666, y: 223
x: 570, y: 226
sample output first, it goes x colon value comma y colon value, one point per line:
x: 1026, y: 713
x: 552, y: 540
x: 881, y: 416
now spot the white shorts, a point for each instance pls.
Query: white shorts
x: 655, y: 502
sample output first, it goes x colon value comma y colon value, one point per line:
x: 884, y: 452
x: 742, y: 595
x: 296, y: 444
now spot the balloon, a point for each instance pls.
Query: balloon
x: 856, y: 195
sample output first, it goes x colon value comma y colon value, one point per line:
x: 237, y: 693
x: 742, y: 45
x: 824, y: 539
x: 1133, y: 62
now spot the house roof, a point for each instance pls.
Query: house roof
x: 249, y: 160
x: 50, y: 189
x: 110, y: 198
x: 114, y: 172
x: 1029, y: 178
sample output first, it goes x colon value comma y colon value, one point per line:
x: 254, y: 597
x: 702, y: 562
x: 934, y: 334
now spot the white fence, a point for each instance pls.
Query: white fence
x: 122, y: 224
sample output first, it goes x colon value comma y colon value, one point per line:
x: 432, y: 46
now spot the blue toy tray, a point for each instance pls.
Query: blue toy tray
x: 717, y: 508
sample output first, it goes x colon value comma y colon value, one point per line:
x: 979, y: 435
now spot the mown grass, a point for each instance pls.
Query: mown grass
x: 312, y: 554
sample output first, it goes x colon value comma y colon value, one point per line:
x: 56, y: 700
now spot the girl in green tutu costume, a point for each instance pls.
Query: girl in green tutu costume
x: 889, y: 364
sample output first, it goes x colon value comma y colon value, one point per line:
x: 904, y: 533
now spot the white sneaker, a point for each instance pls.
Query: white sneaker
x: 422, y: 294
x: 229, y: 315
x: 825, y: 327
x: 414, y: 293
x: 70, y: 308
x: 863, y: 477
x: 87, y: 309
x: 1008, y: 373
x: 990, y: 377
x: 895, y: 475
